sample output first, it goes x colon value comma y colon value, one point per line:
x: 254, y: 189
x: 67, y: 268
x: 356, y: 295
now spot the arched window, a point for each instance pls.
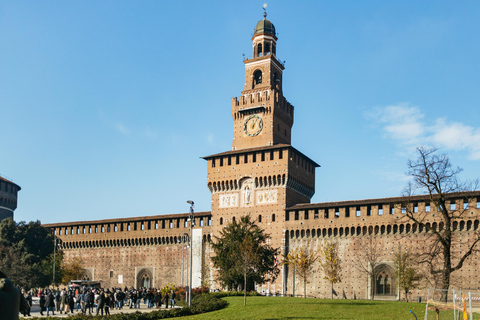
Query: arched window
x: 257, y: 77
x: 259, y: 50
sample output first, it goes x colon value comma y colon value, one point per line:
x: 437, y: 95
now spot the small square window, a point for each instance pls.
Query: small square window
x: 358, y: 212
x: 465, y: 205
x: 380, y: 211
x: 453, y: 206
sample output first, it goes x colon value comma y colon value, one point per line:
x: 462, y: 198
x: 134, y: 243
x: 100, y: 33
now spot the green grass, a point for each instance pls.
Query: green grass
x: 299, y: 308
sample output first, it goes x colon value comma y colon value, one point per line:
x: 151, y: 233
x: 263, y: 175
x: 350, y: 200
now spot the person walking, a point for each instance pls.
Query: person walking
x: 166, y: 299
x: 172, y: 298
x: 158, y: 299
x: 89, y: 302
x: 100, y: 302
x: 12, y: 302
x: 29, y: 300
x: 108, y: 300
x: 50, y: 302
x: 58, y: 304
x: 42, y: 302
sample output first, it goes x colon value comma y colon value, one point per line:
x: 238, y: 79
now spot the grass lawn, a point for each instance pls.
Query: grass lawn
x: 299, y: 308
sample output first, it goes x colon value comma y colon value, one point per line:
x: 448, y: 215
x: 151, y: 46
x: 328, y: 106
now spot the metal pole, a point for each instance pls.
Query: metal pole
x: 54, y: 249
x: 187, y: 293
x: 192, y: 223
x: 183, y: 254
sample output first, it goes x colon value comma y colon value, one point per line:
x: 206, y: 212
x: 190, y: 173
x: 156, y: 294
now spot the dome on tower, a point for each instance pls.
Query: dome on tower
x: 264, y: 26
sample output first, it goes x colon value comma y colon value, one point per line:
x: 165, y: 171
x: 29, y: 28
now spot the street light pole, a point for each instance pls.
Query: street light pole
x: 192, y: 224
x: 54, y: 249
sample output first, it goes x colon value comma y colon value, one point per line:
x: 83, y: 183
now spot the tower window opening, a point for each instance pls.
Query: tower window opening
x: 326, y: 214
x: 271, y: 155
x: 259, y: 50
x: 358, y: 212
x: 315, y: 214
x: 296, y: 215
x: 263, y: 155
x: 221, y: 221
x: 347, y: 212
x: 280, y: 156
x: 273, y: 217
x: 380, y: 210
x: 259, y: 218
x: 237, y: 160
x: 337, y: 213
x: 267, y: 48
x: 257, y: 77
x: 245, y: 160
x: 305, y: 215
x: 427, y: 207
x: 229, y: 160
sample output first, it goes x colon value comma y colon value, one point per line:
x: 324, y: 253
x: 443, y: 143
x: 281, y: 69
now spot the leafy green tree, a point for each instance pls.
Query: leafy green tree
x: 433, y: 174
x: 24, y: 248
x: 331, y: 264
x: 408, y: 277
x: 232, y: 248
x: 302, y: 259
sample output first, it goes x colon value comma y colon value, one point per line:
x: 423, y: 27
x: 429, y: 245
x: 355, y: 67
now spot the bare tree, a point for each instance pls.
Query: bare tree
x: 302, y: 259
x: 331, y: 264
x: 368, y: 258
x: 434, y: 175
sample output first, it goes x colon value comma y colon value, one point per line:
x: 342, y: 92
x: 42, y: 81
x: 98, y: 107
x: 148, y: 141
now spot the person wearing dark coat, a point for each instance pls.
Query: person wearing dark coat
x: 71, y: 301
x: 166, y: 298
x: 28, y: 298
x: 50, y: 303
x: 12, y: 302
x: 89, y: 301
x: 100, y: 302
x: 108, y: 300
x: 57, y: 302
x: 158, y: 299
x: 42, y: 303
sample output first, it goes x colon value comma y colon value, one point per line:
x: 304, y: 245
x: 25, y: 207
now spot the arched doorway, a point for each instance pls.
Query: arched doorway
x: 144, y: 279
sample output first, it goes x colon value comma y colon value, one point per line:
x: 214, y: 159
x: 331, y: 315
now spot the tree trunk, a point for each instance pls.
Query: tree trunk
x: 245, y: 289
x: 305, y: 287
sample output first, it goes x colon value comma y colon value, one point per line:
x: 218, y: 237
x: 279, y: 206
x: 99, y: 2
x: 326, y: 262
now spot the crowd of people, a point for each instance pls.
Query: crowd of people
x: 98, y: 301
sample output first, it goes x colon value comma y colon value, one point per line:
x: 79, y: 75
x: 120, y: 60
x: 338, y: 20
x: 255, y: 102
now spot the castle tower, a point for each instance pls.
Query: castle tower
x: 262, y: 116
x: 263, y: 174
x: 8, y: 198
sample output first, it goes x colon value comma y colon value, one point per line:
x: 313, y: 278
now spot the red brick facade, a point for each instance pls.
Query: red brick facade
x: 265, y: 177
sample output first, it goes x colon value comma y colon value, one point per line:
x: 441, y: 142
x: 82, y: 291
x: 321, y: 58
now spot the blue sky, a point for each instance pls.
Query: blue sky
x: 107, y: 106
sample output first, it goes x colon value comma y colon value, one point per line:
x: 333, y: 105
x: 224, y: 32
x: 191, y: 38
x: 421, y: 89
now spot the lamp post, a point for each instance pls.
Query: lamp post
x: 192, y: 224
x: 54, y: 249
x: 185, y: 237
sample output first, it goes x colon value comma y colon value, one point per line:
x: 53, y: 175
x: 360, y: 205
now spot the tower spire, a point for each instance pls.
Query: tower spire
x: 264, y: 11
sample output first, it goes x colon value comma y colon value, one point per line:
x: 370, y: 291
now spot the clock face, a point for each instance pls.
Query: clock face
x: 253, y: 125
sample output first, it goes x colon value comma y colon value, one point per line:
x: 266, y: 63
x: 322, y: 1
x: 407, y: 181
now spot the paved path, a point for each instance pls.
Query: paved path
x: 35, y: 312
